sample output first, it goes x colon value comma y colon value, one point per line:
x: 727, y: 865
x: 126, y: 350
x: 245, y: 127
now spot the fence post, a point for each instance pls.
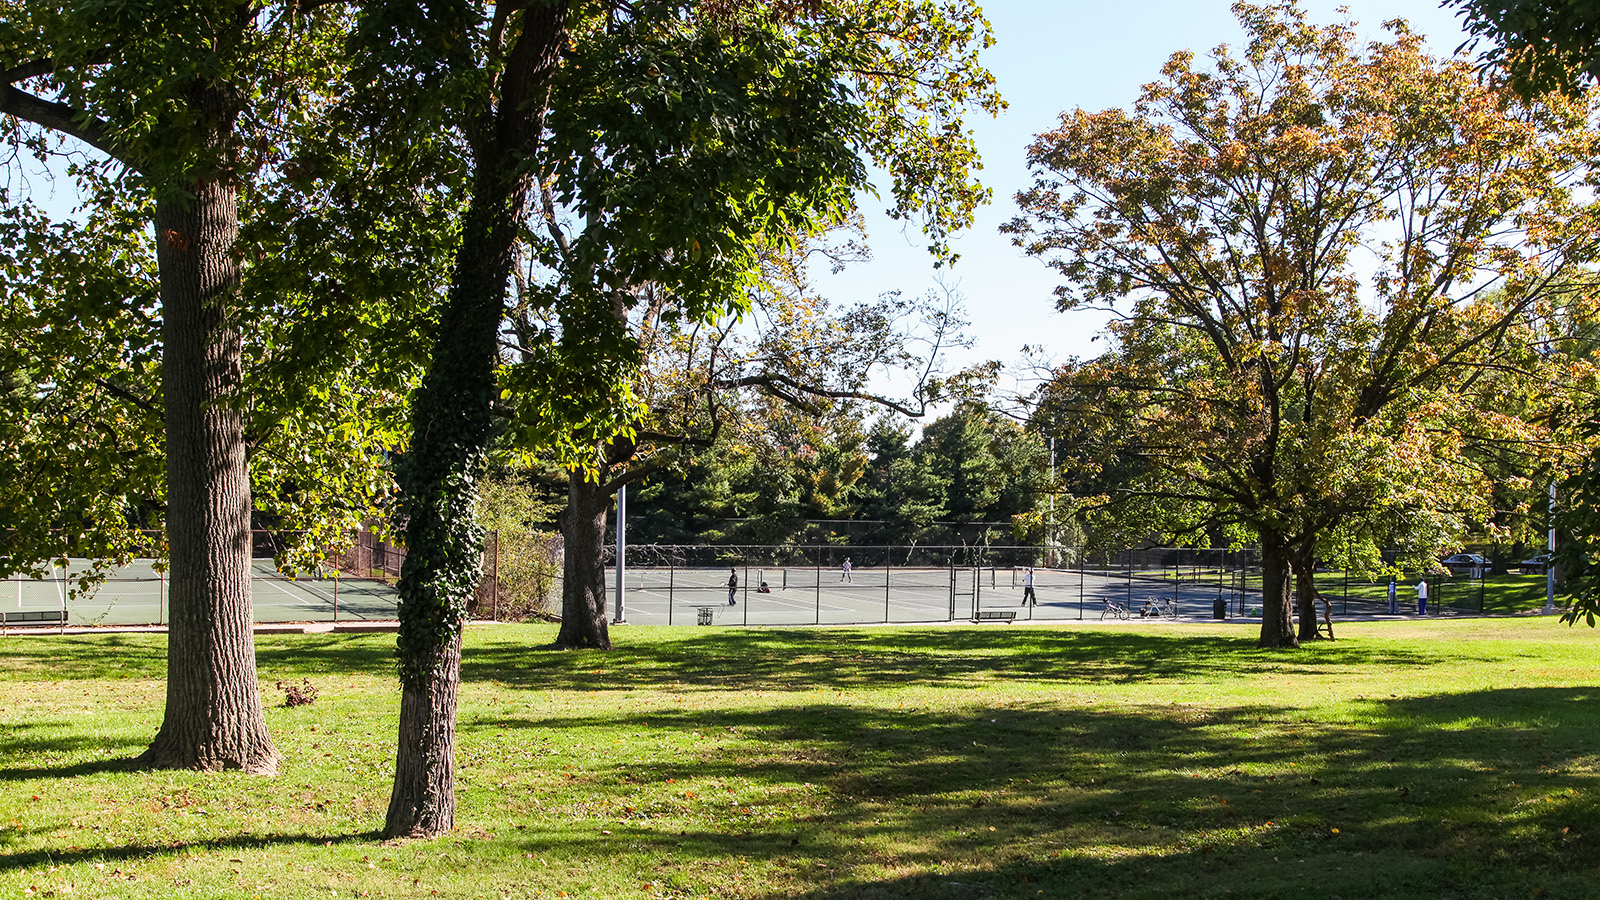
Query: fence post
x: 952, y: 593
x: 818, y: 566
x: 672, y: 569
x: 1177, y: 578
x: 1221, y: 558
x: 494, y: 608
x: 888, y: 568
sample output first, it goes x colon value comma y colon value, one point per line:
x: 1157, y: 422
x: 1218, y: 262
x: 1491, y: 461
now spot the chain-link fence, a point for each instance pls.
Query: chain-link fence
x: 835, y: 584
x: 358, y: 582
x: 776, y: 585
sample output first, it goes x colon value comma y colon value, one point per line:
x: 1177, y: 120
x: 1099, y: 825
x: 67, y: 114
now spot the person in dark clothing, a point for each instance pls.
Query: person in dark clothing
x: 733, y: 585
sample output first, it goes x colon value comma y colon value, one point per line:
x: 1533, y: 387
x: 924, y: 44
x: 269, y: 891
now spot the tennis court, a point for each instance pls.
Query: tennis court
x: 816, y: 596
x: 136, y: 594
x: 687, y: 595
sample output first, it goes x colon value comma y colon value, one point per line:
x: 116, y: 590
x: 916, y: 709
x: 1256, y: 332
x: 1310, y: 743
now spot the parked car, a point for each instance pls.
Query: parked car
x: 1536, y: 565
x: 1466, y: 562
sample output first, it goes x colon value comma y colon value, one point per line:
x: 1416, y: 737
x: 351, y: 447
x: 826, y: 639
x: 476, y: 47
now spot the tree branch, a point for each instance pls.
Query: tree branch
x: 55, y: 116
x: 776, y: 385
x: 143, y: 403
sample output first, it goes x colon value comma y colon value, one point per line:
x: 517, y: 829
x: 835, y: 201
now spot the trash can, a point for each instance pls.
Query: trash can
x: 1219, y: 608
x: 703, y: 617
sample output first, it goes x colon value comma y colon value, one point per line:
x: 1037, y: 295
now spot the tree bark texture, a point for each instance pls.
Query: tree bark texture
x: 1305, y: 582
x: 452, y: 420
x: 213, y: 717
x: 423, y: 801
x: 583, y: 587
x: 1276, y: 577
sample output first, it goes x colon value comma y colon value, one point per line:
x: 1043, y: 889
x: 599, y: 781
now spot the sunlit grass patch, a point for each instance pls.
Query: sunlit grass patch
x: 1416, y: 759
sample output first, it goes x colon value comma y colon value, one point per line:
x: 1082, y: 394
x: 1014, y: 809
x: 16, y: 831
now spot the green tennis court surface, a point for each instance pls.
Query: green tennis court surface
x: 136, y: 594
x: 812, y: 595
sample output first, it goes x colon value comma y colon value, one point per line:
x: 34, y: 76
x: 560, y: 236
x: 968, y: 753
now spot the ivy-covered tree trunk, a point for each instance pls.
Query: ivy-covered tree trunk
x: 213, y: 717
x: 451, y: 431
x: 451, y: 428
x: 1277, y: 631
x: 583, y: 588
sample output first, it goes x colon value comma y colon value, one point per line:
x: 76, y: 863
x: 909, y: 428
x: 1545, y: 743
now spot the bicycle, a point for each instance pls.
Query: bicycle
x: 1165, y: 608
x: 1116, y: 610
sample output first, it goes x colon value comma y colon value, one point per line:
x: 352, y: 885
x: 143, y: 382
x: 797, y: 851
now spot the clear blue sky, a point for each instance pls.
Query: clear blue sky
x: 1056, y: 56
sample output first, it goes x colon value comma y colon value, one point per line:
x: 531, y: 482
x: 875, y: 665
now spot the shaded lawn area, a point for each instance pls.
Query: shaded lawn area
x: 1418, y: 759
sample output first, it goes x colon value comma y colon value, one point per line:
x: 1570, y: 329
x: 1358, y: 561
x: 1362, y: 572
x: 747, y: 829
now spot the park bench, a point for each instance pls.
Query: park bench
x: 33, y: 617
x: 999, y: 615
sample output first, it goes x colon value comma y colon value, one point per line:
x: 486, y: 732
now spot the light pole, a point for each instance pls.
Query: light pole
x: 1050, y: 527
x: 1550, y: 562
x: 622, y: 553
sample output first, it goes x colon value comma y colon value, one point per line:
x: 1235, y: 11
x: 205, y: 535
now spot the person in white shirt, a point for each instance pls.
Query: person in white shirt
x: 1422, y: 597
x: 1028, y: 595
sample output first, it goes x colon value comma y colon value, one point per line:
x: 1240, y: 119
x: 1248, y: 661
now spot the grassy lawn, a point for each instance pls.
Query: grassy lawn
x: 1437, y: 759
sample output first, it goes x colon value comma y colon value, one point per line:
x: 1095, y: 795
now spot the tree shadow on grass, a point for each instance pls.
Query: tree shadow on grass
x: 771, y: 659
x: 308, y: 655
x: 1411, y: 798
x: 74, y: 770
x: 114, y: 656
x: 84, y: 656
x: 135, y: 852
x: 840, y: 659
x: 21, y: 742
x: 32, y: 748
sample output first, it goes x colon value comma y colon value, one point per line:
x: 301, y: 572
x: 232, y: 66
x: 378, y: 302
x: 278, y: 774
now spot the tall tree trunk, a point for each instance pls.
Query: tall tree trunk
x: 423, y: 800
x: 1276, y: 629
x: 451, y: 430
x: 438, y: 476
x: 213, y: 717
x: 583, y: 589
x: 1305, y: 581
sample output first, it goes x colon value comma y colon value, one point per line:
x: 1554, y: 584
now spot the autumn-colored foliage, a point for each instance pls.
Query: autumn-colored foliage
x: 1332, y: 264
